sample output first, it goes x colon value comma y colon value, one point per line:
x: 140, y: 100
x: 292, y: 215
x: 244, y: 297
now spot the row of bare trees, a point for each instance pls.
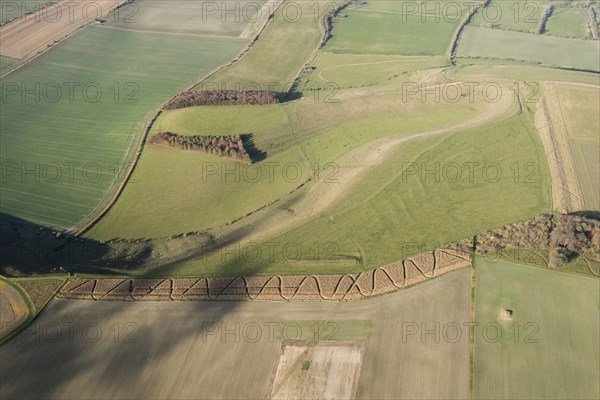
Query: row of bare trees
x: 225, y: 146
x: 192, y: 98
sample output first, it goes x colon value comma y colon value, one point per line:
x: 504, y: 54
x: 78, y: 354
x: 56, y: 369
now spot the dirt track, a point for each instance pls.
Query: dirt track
x: 566, y: 194
x: 32, y: 33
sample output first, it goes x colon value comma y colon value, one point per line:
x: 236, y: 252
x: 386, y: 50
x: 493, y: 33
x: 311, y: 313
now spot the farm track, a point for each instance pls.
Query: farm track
x: 566, y: 194
x: 340, y: 287
x: 33, y: 33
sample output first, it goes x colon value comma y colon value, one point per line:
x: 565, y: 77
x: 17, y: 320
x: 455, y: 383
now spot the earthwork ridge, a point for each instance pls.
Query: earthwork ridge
x: 279, y: 288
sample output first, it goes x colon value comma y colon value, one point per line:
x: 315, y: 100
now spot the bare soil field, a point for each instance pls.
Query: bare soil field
x: 230, y: 350
x: 13, y: 309
x: 325, y: 370
x: 24, y: 37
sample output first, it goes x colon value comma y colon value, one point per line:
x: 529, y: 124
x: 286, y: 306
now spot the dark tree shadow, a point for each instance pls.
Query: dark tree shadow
x: 29, y: 249
x: 587, y: 214
x: 255, y: 154
x: 292, y: 95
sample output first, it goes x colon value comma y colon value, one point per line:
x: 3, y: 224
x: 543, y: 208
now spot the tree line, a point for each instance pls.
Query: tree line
x: 231, y: 146
x: 192, y: 98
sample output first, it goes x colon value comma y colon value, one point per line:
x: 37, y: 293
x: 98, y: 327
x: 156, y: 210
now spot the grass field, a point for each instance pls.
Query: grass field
x: 10, y: 10
x: 127, y: 76
x: 299, y: 136
x: 285, y: 45
x: 355, y: 70
x: 568, y: 22
x: 6, y: 63
x: 403, y: 212
x: 164, y: 344
x: 515, y: 15
x: 553, y: 51
x: 386, y: 27
x: 554, y: 352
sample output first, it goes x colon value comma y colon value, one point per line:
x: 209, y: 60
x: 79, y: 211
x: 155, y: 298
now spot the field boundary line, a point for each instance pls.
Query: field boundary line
x: 137, y: 151
x: 241, y: 53
x: 473, y: 311
x: 31, y: 28
x: 326, y: 29
x: 36, y: 313
x: 30, y: 309
x: 451, y: 52
x: 149, y: 123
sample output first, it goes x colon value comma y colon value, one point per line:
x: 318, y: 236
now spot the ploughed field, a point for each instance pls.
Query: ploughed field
x: 143, y: 350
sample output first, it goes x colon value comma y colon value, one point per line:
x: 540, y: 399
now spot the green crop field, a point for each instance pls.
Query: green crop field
x: 496, y: 43
x: 568, y: 22
x: 381, y: 28
x: 10, y: 9
x: 550, y: 349
x: 514, y: 15
x: 63, y: 155
x: 287, y: 42
x: 6, y: 63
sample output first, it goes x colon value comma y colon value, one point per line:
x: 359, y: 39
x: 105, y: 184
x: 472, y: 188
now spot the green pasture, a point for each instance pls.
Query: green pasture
x: 552, y: 51
x: 550, y: 349
x: 192, y: 191
x: 375, y: 31
x: 568, y: 22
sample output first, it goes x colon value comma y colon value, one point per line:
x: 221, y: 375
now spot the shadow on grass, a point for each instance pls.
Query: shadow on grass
x: 74, y: 348
x: 255, y: 154
x: 29, y: 249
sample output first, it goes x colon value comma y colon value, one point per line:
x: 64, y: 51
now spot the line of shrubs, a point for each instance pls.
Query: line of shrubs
x: 563, y: 237
x: 192, y: 98
x: 225, y: 146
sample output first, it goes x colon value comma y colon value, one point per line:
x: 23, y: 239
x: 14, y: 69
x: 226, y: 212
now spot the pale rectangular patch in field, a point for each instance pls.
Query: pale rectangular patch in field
x: 323, y: 370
